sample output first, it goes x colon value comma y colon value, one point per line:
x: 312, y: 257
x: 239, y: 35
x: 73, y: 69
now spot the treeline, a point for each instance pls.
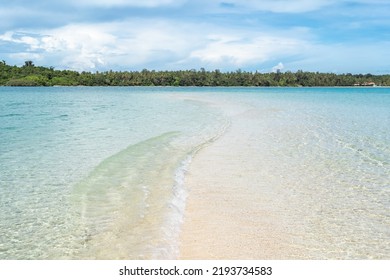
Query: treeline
x: 31, y: 75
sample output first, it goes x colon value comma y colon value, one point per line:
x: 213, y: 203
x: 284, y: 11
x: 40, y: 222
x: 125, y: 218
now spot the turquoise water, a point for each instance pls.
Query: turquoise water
x: 95, y: 172
x: 98, y: 172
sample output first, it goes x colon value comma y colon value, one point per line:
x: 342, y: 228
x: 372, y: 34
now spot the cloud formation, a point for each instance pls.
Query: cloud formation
x: 105, y: 45
x: 315, y: 35
x: 278, y: 67
x: 236, y: 50
x: 115, y: 45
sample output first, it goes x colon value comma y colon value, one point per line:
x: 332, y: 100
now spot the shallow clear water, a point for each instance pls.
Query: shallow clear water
x: 324, y: 163
x: 95, y: 172
x: 98, y: 172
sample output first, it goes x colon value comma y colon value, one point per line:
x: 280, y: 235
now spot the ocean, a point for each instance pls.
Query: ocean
x: 99, y: 172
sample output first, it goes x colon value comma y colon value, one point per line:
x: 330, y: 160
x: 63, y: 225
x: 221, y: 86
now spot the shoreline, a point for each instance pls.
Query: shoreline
x: 226, y: 216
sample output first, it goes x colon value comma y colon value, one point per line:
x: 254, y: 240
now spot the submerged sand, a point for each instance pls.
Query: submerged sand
x: 230, y: 212
x: 282, y: 182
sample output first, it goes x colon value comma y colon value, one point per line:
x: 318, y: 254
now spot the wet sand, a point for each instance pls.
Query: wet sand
x: 230, y: 211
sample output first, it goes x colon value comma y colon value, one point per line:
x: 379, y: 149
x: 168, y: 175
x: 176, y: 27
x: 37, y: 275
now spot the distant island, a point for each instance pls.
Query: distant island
x: 31, y: 75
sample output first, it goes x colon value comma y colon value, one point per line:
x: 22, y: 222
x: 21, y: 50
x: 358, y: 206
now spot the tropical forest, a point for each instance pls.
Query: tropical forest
x: 31, y: 75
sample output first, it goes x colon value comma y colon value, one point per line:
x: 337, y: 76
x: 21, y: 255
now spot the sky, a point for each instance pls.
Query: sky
x: 338, y: 36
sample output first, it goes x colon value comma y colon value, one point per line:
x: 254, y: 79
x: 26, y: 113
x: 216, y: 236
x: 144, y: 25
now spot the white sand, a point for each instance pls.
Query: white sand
x: 230, y: 212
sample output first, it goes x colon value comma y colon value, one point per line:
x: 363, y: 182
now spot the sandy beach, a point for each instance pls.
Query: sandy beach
x: 230, y: 212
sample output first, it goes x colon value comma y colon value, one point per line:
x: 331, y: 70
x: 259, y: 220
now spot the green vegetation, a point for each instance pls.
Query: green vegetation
x: 31, y: 75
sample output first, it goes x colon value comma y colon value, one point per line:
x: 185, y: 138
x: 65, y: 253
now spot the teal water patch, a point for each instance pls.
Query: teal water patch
x: 52, y: 139
x: 127, y: 205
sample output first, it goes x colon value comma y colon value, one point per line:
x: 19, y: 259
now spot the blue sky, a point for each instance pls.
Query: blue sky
x: 341, y: 36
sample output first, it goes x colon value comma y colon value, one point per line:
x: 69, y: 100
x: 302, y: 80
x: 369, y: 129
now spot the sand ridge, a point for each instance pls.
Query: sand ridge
x: 226, y: 215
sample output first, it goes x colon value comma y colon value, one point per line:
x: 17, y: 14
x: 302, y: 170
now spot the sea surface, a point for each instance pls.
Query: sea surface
x: 98, y: 172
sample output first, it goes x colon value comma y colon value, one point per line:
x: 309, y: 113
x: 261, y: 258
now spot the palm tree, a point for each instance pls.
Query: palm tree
x: 28, y: 63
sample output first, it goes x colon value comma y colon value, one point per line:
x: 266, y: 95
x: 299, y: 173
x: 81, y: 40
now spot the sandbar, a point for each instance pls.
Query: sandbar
x: 231, y: 211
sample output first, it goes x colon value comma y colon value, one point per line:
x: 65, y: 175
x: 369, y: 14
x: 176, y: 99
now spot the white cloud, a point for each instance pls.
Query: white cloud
x: 155, y: 44
x: 209, y: 37
x: 93, y: 46
x: 165, y: 44
x: 23, y: 56
x: 7, y: 36
x: 21, y: 38
x: 83, y: 47
x: 254, y: 49
x: 278, y: 67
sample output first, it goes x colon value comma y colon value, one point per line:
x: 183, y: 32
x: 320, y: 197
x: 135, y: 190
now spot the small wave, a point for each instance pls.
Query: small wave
x: 369, y: 154
x: 16, y: 104
x: 9, y: 128
x: 11, y: 115
x: 178, y: 203
x: 64, y: 116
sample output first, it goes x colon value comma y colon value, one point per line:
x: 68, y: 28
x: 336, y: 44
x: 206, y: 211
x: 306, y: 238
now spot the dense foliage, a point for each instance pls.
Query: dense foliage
x: 31, y: 75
